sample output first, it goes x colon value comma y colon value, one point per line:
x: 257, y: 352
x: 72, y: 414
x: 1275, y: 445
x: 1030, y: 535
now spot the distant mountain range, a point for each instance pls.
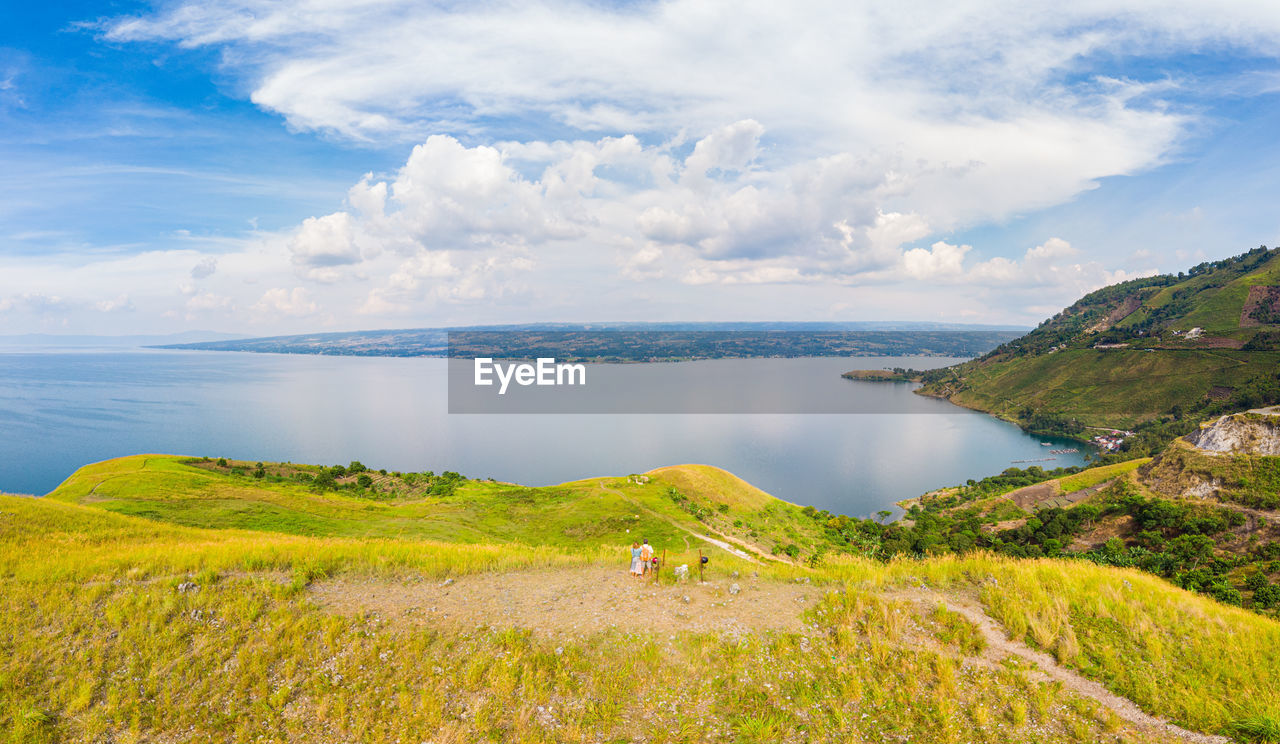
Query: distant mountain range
x: 640, y: 341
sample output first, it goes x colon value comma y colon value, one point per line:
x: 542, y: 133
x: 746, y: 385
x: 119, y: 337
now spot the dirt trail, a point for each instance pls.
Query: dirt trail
x: 579, y: 601
x: 1047, y: 668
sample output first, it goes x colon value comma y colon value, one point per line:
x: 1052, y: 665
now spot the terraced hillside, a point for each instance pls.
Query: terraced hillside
x: 119, y: 627
x: 1136, y: 351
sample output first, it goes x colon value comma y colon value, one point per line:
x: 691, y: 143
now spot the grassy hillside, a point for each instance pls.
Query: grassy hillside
x: 1134, y: 352
x: 670, y: 507
x: 122, y: 628
x: 1207, y: 521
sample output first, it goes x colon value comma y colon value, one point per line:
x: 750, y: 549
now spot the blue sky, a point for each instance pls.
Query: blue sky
x: 269, y: 167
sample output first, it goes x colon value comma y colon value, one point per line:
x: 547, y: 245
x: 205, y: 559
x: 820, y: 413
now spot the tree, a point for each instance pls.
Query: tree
x: 883, y: 514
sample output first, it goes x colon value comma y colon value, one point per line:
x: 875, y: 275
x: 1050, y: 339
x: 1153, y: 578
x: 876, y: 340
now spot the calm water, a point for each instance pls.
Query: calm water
x: 60, y: 410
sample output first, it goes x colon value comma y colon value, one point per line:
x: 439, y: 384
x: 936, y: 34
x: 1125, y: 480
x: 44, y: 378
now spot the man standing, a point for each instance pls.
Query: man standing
x: 646, y: 555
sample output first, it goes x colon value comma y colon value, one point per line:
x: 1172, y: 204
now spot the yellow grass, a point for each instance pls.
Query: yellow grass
x: 1094, y: 476
x: 102, y: 641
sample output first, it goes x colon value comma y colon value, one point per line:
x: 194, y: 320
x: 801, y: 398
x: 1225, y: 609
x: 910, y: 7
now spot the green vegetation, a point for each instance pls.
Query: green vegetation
x: 1094, y: 476
x: 175, y: 598
x: 897, y: 374
x: 1139, y: 519
x: 1247, y: 480
x: 1125, y: 356
x: 146, y: 629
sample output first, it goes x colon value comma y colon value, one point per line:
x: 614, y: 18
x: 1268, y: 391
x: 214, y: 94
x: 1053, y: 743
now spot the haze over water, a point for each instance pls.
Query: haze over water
x: 60, y: 410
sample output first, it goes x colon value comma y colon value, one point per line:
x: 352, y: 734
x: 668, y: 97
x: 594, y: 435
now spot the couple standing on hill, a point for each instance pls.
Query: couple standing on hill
x: 641, y: 556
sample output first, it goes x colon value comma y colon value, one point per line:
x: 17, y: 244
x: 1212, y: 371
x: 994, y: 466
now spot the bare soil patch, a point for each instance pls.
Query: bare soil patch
x: 1028, y: 496
x: 1262, y: 305
x: 578, y: 601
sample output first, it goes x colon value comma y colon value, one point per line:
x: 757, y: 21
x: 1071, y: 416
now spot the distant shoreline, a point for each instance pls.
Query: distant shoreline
x: 633, y: 343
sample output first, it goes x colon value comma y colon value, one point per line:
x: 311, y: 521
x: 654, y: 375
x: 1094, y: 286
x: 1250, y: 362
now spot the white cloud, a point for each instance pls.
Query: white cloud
x: 941, y: 260
x: 730, y: 148
x: 322, y: 244
x: 1051, y: 249
x: 1050, y: 268
x: 399, y: 67
x: 205, y: 301
x: 119, y: 304
x: 570, y: 149
x: 35, y: 303
x: 296, y: 302
x: 817, y: 113
x: 425, y: 265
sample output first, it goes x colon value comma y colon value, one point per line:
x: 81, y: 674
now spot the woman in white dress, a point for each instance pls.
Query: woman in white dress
x: 636, y: 568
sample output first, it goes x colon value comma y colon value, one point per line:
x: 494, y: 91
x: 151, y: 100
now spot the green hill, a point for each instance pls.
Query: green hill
x: 313, y: 605
x: 676, y: 507
x: 1195, y: 342
x: 1203, y: 513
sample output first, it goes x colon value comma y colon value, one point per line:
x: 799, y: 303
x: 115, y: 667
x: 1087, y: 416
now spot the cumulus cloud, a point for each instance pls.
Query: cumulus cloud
x: 942, y: 259
x: 801, y: 139
x: 558, y: 146
x: 279, y: 301
x: 1053, y: 267
x: 323, y: 244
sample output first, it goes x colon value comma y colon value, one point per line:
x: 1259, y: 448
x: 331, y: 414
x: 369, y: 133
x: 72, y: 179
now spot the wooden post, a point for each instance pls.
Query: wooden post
x: 700, y: 579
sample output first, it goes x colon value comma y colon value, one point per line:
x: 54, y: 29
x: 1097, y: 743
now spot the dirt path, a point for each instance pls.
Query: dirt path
x: 1047, y: 669
x: 579, y: 601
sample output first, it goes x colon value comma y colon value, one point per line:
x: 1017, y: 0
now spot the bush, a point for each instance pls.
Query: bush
x: 1267, y: 597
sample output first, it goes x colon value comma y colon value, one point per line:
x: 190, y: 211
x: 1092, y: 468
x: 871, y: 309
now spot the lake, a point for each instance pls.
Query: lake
x: 62, y: 409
